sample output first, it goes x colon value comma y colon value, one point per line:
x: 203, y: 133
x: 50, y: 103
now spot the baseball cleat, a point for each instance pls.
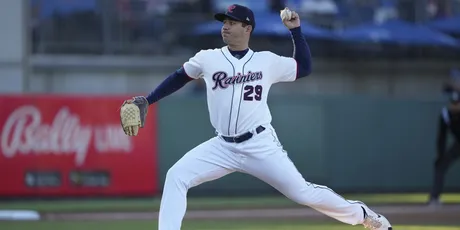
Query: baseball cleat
x: 434, y: 203
x: 378, y: 222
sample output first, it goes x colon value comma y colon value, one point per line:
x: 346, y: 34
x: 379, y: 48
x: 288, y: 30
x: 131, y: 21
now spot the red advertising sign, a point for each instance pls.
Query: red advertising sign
x: 54, y: 145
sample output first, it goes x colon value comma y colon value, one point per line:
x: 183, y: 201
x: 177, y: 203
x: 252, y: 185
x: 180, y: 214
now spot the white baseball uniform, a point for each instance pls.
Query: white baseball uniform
x: 237, y: 91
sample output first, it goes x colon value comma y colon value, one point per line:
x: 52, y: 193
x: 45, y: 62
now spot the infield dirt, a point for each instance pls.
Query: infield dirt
x: 404, y: 214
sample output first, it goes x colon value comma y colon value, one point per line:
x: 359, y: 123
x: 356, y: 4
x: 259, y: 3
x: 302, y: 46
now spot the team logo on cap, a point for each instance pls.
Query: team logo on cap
x: 231, y: 8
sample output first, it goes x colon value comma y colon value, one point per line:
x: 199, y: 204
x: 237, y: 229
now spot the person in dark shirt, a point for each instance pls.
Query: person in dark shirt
x: 449, y: 122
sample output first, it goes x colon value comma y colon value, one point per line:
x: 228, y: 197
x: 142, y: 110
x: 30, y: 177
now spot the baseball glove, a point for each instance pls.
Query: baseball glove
x: 132, y: 115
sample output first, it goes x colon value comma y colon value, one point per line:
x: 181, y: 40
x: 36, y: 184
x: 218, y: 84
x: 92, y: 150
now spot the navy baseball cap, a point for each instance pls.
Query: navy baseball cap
x: 238, y: 13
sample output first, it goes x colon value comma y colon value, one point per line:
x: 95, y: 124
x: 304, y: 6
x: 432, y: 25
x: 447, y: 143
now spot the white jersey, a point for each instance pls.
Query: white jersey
x: 237, y: 89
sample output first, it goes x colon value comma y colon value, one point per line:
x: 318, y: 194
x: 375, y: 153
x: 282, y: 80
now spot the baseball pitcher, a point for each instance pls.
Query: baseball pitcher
x: 238, y: 81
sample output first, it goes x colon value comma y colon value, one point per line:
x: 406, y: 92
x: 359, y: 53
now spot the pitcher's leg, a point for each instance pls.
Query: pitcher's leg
x: 283, y: 176
x: 208, y: 161
x: 266, y: 160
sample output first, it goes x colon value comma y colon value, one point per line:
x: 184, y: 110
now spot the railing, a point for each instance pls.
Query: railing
x: 161, y: 27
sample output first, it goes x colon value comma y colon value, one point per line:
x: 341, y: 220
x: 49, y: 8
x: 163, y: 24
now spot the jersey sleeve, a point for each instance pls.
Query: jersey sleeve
x: 194, y: 66
x: 284, y: 68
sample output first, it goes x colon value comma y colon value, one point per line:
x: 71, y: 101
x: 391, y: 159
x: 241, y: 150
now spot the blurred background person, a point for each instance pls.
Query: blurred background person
x: 449, y: 123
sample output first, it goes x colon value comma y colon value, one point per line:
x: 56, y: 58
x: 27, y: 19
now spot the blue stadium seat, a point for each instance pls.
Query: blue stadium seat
x: 294, y: 4
x: 48, y: 7
x: 258, y: 6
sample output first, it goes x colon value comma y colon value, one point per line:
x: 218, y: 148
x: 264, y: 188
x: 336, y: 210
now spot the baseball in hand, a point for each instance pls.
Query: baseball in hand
x: 290, y: 18
x: 286, y: 14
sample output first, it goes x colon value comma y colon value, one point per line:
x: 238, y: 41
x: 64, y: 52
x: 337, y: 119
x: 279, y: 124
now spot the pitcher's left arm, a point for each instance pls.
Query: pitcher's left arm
x: 302, y: 53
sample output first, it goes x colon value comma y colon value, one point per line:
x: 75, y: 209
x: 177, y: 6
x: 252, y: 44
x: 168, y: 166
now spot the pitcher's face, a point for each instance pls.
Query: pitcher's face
x: 234, y: 32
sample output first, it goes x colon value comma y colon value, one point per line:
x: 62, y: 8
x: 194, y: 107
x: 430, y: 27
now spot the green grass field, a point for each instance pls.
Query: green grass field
x: 206, y: 203
x: 198, y: 225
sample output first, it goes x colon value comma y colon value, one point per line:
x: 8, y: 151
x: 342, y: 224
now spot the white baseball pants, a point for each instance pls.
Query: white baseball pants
x: 261, y: 156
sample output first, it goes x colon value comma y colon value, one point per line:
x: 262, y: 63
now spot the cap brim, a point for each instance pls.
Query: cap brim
x: 221, y: 17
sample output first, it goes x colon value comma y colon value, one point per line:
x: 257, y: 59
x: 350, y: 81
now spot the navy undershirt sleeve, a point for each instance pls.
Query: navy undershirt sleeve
x: 301, y: 53
x: 171, y: 84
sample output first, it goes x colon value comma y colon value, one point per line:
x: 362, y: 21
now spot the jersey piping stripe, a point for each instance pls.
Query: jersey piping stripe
x: 332, y: 191
x: 241, y: 96
x: 233, y: 94
x: 317, y: 186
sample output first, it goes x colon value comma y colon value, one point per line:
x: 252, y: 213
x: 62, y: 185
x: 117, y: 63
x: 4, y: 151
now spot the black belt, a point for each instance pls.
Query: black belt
x: 243, y: 137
